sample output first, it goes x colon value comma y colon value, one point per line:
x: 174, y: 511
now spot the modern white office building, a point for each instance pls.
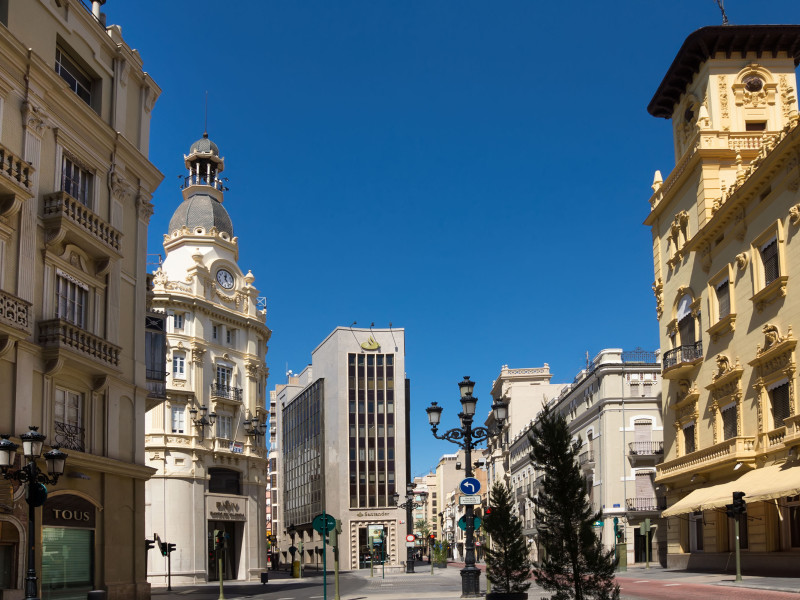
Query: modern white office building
x: 342, y: 437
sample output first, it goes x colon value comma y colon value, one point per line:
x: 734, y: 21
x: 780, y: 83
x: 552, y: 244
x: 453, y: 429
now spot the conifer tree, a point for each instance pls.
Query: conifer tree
x: 507, y: 565
x: 575, y: 565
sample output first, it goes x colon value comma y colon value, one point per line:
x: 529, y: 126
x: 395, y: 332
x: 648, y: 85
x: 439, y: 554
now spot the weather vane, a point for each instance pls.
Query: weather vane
x: 721, y: 5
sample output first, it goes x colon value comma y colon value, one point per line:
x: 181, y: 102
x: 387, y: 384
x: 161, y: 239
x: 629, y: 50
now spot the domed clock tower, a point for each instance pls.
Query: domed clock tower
x: 206, y: 440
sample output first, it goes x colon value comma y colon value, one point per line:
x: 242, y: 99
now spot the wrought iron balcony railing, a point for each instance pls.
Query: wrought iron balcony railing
x: 226, y: 391
x: 653, y: 504
x: 70, y: 437
x: 683, y: 354
x: 646, y: 448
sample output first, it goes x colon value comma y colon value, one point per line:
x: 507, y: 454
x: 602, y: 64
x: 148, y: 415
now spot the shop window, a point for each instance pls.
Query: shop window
x: 76, y: 180
x: 72, y: 297
x: 224, y: 481
x: 696, y: 532
x: 793, y: 522
x: 74, y: 581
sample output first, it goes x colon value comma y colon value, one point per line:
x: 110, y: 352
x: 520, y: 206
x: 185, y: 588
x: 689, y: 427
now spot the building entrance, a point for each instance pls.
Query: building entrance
x: 639, y: 547
x: 230, y: 557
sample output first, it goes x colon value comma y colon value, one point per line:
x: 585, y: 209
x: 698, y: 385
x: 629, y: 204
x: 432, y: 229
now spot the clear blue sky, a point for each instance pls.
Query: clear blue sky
x: 475, y: 172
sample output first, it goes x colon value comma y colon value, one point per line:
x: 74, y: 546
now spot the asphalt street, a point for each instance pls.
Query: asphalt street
x: 445, y: 584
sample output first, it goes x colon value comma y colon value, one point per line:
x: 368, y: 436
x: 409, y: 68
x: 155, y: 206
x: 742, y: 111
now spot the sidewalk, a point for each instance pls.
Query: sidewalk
x: 658, y: 573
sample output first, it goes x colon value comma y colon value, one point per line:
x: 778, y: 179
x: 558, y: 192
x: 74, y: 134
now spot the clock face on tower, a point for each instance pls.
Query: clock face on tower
x: 225, y: 279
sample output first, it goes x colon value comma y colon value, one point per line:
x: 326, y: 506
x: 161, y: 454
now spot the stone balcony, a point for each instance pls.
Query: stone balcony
x: 722, y: 455
x: 66, y: 220
x: 15, y: 315
x: 16, y: 182
x: 63, y: 340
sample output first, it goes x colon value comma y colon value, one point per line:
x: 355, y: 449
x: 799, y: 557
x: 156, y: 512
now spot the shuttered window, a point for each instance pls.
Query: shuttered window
x: 729, y: 421
x: 724, y: 298
x: 780, y: 404
x: 769, y: 258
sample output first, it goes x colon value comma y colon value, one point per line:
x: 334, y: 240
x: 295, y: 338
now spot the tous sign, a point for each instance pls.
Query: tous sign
x: 68, y: 510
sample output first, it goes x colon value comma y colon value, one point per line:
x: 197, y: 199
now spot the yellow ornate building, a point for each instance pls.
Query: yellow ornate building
x: 726, y: 250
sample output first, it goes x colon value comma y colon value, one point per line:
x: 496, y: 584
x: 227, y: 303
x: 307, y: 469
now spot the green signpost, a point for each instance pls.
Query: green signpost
x: 322, y: 524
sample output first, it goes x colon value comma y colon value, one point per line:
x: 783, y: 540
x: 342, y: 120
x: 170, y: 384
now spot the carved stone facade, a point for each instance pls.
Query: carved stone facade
x: 72, y: 302
x: 208, y: 437
x: 721, y: 225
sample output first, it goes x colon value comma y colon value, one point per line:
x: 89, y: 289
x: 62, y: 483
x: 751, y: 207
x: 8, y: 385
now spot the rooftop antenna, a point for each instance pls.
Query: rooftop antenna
x: 205, y: 123
x: 721, y: 5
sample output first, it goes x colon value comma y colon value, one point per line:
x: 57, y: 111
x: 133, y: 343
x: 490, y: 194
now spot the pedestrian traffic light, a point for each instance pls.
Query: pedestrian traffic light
x: 739, y: 505
x: 149, y: 545
x: 219, y: 539
x: 170, y: 548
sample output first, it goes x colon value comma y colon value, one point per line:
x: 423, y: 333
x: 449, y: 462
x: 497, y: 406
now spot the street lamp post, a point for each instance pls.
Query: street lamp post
x: 408, y: 505
x: 206, y: 420
x: 467, y: 438
x: 32, y: 442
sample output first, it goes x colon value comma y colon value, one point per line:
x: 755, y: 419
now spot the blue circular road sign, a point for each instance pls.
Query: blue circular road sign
x: 470, y: 486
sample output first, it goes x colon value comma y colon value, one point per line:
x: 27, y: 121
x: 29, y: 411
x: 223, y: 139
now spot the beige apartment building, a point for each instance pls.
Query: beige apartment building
x: 525, y: 391
x: 206, y: 442
x: 75, y: 191
x: 614, y: 407
x: 727, y: 260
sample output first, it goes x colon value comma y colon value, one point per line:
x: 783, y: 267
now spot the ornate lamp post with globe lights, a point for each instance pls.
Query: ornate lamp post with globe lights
x: 32, y: 442
x: 408, y: 505
x: 467, y: 438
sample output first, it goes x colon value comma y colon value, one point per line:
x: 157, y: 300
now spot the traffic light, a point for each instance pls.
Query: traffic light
x: 162, y: 547
x: 488, y: 510
x: 219, y: 539
x: 432, y: 537
x: 170, y: 548
x: 149, y: 545
x: 739, y: 505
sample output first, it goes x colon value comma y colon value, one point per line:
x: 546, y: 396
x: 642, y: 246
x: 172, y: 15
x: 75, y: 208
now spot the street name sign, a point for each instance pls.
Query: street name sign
x: 469, y: 500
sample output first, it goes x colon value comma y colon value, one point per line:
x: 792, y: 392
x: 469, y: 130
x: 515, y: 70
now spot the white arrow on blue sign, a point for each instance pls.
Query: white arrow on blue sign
x: 470, y: 485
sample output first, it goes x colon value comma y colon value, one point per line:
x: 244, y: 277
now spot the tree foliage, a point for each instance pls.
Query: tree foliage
x: 575, y: 565
x: 507, y: 565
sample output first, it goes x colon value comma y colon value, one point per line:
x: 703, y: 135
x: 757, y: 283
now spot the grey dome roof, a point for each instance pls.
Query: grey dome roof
x: 201, y: 210
x: 204, y: 146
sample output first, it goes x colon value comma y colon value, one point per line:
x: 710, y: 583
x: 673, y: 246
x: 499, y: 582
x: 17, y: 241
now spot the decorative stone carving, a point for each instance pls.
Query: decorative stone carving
x: 705, y: 258
x: 144, y: 209
x: 741, y: 261
x: 723, y: 366
x: 658, y: 291
x: 198, y: 354
x: 788, y: 98
x: 35, y: 118
x: 794, y: 214
x: 723, y: 102
x: 159, y: 278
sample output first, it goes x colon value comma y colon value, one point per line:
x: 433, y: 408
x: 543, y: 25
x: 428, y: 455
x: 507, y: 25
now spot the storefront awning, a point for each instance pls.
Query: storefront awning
x: 765, y: 483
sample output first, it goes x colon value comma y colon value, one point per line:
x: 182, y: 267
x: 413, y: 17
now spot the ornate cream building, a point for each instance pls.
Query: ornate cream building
x: 725, y: 227
x: 206, y: 442
x: 75, y: 190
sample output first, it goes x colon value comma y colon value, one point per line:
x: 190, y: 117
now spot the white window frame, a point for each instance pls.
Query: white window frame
x: 177, y: 321
x: 225, y: 427
x: 179, y: 365
x: 77, y: 179
x: 178, y: 418
x: 68, y: 407
x: 72, y: 299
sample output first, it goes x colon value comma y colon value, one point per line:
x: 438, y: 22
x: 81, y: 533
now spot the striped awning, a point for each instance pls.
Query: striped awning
x: 766, y: 483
